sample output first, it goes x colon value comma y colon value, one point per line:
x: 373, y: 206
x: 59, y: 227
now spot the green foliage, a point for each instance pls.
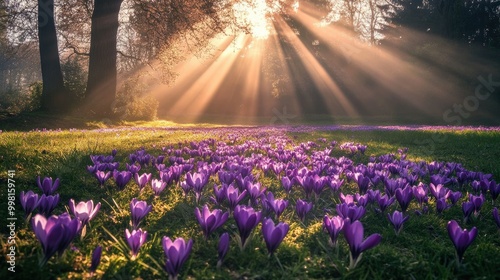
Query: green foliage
x: 75, y: 78
x: 15, y: 101
x: 134, y: 103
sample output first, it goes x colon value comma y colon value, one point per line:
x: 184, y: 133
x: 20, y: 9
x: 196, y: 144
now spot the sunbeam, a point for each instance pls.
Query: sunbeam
x: 298, y: 66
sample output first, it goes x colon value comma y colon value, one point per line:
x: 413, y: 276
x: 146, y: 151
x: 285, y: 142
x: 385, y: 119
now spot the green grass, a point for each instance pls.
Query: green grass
x: 422, y: 250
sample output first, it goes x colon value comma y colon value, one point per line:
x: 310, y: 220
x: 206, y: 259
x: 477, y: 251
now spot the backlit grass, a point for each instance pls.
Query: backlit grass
x: 423, y: 250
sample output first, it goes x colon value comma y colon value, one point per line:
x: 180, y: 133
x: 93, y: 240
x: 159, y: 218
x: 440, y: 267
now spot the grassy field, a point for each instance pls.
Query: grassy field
x: 422, y: 250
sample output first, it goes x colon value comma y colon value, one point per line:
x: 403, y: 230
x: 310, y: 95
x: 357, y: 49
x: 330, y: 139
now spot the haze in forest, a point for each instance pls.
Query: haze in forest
x: 238, y: 61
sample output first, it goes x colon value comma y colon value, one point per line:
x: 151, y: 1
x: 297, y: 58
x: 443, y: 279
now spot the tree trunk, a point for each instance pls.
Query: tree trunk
x: 101, y: 84
x: 54, y: 98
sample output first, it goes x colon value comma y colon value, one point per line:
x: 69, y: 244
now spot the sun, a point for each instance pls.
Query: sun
x: 254, y: 16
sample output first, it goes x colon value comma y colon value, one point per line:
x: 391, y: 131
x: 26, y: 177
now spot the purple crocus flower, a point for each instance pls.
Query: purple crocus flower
x: 135, y: 240
x: 142, y: 180
x: 84, y: 211
x: 494, y: 190
x: 404, y: 197
x: 467, y: 209
x: 333, y: 226
x: 347, y: 199
x: 47, y: 204
x: 441, y: 205
x: 335, y: 183
x: 496, y: 217
x: 222, y: 248
x: 363, y: 182
x: 176, y: 254
x: 286, y: 183
x: 29, y: 202
x: 219, y: 195
x: 246, y: 220
x: 233, y: 196
x: 397, y: 220
x: 47, y: 186
x: 461, y: 238
x: 302, y: 208
x: 478, y: 201
x: 197, y: 181
x: 453, y: 197
x: 210, y: 220
x: 102, y: 176
x: 138, y: 209
x: 122, y: 178
x: 226, y: 177
x: 384, y: 201
x: 254, y: 191
x: 353, y: 212
x: 276, y: 205
x: 438, y: 191
x: 353, y: 233
x: 158, y: 186
x: 55, y: 233
x: 273, y: 234
x: 133, y: 168
x: 96, y: 258
x: 362, y: 200
x: 186, y: 188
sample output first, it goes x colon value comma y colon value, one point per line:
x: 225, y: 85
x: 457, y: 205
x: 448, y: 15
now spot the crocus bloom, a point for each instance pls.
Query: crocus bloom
x: 84, y: 211
x: 47, y: 186
x: 29, y: 202
x: 461, y: 238
x: 333, y: 225
x: 404, y: 196
x: 96, y: 258
x: 47, y: 204
x: 254, y: 191
x: 102, y: 176
x: 276, y: 205
x: 197, y: 181
x: 496, y: 218
x: 55, y: 233
x: 302, y: 208
x: 210, y: 220
x: 176, y: 254
x: 353, y: 212
x: 233, y: 196
x: 186, y: 188
x: 158, y: 186
x: 467, y: 209
x: 133, y: 168
x: 142, y: 180
x: 122, y: 178
x: 438, y: 191
x: 219, y: 195
x: 397, y: 220
x: 138, y: 209
x: 347, y: 199
x: 135, y: 239
x: 222, y: 248
x: 273, y: 234
x: 353, y: 233
x: 454, y: 197
x: 494, y: 190
x: 286, y: 183
x: 441, y: 205
x: 363, y: 182
x: 478, y: 201
x: 246, y: 220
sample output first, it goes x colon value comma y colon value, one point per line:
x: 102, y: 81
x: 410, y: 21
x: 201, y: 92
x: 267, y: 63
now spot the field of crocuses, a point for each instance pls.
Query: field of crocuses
x: 251, y: 202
